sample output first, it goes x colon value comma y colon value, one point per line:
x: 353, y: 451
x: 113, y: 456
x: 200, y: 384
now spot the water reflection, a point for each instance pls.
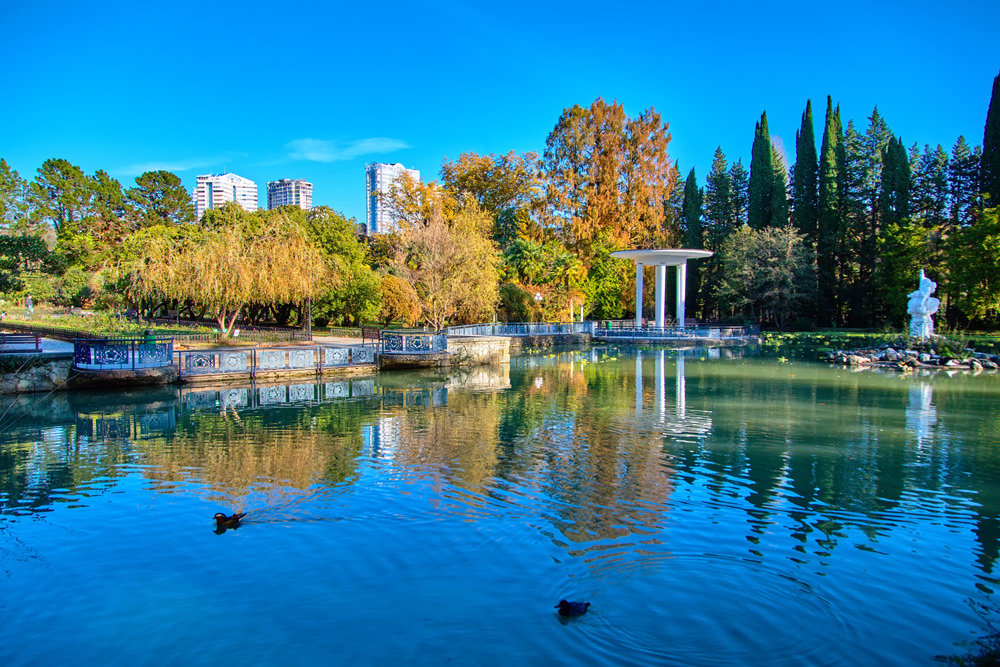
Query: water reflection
x: 732, y: 486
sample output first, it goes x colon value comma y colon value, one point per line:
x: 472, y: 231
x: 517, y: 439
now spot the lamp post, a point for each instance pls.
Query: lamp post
x: 538, y: 302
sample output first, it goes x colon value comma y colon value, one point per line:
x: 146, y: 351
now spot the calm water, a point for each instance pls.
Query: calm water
x: 714, y: 511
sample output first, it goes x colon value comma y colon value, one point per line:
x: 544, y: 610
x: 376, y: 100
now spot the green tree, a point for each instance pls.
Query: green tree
x: 963, y: 182
x: 990, y: 161
x: 767, y: 273
x: 894, y: 198
x: 62, y: 193
x: 761, y: 187
x: 828, y: 215
x: 16, y: 208
x: 694, y: 237
x: 159, y: 197
x: 779, y: 189
x: 805, y: 179
x: 976, y: 265
x: 740, y: 182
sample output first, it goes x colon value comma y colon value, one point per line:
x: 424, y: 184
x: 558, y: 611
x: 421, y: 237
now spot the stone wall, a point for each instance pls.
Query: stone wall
x: 36, y: 376
x: 519, y: 343
x: 478, y: 350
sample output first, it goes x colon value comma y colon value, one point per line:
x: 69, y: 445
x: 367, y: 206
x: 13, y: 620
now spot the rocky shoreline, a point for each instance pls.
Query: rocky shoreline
x: 936, y: 355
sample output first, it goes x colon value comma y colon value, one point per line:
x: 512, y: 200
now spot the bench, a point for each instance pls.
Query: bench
x: 21, y: 339
x: 371, y: 333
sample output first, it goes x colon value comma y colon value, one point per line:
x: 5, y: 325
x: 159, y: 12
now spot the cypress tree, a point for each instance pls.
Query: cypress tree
x: 989, y: 171
x: 720, y: 218
x: 894, y: 198
x: 694, y: 237
x: 805, y: 174
x: 761, y: 187
x: 828, y: 200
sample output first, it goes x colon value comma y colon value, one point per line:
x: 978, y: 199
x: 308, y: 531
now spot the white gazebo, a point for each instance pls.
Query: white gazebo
x: 661, y: 259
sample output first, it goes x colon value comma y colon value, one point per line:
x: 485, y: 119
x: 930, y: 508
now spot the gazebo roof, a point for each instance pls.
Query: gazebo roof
x: 662, y: 256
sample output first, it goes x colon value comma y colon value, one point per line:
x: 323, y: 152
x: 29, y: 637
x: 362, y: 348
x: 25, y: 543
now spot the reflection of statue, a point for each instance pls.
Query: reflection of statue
x: 922, y: 305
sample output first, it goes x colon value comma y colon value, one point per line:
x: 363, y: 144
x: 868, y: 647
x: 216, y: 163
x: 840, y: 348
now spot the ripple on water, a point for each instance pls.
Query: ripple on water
x: 656, y: 606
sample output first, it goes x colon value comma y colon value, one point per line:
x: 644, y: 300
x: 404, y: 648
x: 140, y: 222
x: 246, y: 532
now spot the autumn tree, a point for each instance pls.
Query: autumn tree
x: 508, y: 187
x: 399, y: 302
x: 451, y: 263
x: 608, y: 173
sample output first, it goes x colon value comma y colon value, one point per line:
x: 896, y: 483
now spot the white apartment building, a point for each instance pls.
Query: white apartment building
x: 378, y: 180
x: 290, y: 192
x: 213, y: 190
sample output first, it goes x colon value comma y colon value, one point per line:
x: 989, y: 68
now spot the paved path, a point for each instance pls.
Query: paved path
x: 48, y: 345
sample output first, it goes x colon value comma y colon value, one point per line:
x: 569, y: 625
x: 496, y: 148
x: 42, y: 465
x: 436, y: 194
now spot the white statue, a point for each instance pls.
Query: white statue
x: 922, y: 305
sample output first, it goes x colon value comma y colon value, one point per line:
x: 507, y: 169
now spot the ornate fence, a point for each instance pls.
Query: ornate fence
x: 522, y: 329
x: 414, y: 342
x: 253, y: 361
x: 712, y: 331
x: 118, y: 354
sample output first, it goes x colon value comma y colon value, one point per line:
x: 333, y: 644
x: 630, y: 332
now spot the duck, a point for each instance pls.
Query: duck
x: 222, y: 521
x: 568, y: 608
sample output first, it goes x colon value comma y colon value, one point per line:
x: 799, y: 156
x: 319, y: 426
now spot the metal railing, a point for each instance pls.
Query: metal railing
x: 414, y: 342
x: 118, y: 354
x: 253, y: 361
x: 522, y: 329
x: 701, y: 330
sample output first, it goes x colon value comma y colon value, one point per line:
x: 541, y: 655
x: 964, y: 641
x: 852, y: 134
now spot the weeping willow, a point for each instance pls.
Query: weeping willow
x: 227, y: 267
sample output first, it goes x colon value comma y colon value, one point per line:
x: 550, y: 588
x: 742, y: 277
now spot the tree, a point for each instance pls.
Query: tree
x: 779, y: 189
x: 399, y: 302
x: 224, y: 267
x: 805, y: 179
x: 894, y: 199
x: 976, y: 265
x: 452, y: 264
x: 767, y: 273
x: 990, y: 161
x: 963, y: 182
x: 62, y: 193
x: 508, y: 187
x: 828, y: 215
x: 694, y: 237
x: 159, y: 198
x: 608, y: 173
x: 740, y: 181
x: 16, y: 209
x: 19, y: 254
x: 761, y: 188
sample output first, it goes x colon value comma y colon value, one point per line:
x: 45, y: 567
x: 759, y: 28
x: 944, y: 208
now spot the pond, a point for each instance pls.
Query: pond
x: 713, y: 509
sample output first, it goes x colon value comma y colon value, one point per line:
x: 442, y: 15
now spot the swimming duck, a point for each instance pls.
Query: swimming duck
x: 222, y: 521
x: 567, y: 608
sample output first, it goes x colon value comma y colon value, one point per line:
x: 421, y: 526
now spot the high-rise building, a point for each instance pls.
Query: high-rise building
x: 213, y: 190
x: 290, y: 192
x: 379, y: 179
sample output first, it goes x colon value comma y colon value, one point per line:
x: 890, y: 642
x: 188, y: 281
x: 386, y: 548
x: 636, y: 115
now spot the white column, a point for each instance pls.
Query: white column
x: 638, y: 382
x: 638, y: 295
x: 661, y: 283
x: 681, y: 390
x: 661, y: 384
x: 682, y: 272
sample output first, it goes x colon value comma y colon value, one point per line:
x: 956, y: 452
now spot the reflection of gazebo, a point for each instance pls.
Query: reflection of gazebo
x: 661, y: 259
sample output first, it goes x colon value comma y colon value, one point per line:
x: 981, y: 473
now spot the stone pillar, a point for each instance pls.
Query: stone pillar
x: 661, y: 284
x: 638, y: 295
x: 681, y: 291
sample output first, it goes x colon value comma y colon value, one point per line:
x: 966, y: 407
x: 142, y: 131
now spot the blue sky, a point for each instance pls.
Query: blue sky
x: 317, y: 90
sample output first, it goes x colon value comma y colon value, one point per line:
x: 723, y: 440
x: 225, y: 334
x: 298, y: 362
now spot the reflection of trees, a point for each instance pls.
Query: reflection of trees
x: 234, y: 454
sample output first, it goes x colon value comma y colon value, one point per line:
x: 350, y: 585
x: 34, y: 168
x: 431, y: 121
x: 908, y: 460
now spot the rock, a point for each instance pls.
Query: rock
x: 891, y: 355
x: 858, y: 360
x: 910, y: 362
x: 992, y: 365
x: 975, y: 365
x: 924, y: 358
